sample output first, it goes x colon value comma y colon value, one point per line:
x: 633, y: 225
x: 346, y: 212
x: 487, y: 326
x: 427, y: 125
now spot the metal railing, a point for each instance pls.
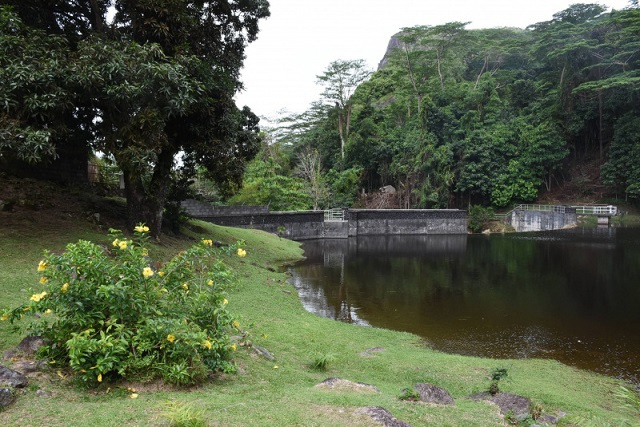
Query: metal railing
x: 545, y: 208
x: 596, y: 210
x: 336, y: 214
x: 580, y: 210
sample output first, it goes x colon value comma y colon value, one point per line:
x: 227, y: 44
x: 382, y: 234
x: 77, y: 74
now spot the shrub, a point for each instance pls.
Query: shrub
x: 111, y: 313
x: 497, y: 375
x: 479, y: 216
x: 409, y: 394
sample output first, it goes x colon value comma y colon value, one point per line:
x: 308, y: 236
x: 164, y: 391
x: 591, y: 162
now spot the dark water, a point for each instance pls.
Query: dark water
x: 570, y: 295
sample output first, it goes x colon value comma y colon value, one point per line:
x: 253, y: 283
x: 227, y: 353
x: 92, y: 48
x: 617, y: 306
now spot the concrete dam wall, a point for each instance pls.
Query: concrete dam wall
x: 303, y: 225
x: 537, y: 220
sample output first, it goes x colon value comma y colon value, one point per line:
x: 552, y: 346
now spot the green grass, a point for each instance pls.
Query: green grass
x: 282, y: 392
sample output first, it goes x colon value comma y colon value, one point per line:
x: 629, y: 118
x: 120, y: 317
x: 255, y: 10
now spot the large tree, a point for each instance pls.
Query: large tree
x: 156, y: 81
x: 340, y: 80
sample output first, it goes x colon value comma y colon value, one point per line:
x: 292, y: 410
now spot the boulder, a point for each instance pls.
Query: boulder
x: 30, y: 345
x: 263, y: 352
x: 7, y: 397
x: 433, y: 394
x: 341, y: 384
x: 507, y: 402
x: 28, y: 366
x: 11, y: 378
x: 382, y: 416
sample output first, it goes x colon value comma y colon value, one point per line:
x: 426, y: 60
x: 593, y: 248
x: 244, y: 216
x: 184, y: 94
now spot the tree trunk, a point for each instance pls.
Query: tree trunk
x: 600, y: 126
x: 413, y: 81
x: 440, y: 70
x: 341, y: 131
x: 145, y: 204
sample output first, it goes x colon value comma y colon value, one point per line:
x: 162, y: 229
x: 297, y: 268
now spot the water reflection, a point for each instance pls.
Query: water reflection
x: 570, y: 295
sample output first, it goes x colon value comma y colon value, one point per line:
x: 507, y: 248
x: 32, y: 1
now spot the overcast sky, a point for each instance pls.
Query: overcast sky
x: 302, y: 37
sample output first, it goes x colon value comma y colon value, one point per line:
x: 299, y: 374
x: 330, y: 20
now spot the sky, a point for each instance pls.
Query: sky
x: 302, y: 37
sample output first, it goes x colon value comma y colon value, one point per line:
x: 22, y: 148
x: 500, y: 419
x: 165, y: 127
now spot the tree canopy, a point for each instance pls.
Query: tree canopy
x: 156, y: 80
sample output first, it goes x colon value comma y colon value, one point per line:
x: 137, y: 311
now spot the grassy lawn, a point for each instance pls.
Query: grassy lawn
x: 282, y: 392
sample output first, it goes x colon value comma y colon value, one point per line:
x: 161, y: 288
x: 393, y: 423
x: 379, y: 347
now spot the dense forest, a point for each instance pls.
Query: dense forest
x: 456, y: 117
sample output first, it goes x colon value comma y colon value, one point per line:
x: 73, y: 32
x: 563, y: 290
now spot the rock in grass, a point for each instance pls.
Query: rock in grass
x: 382, y: 416
x: 28, y: 366
x: 433, y: 394
x: 7, y: 397
x: 340, y: 384
x: 30, y: 345
x: 11, y: 378
x: 263, y: 352
x: 507, y: 402
x: 370, y: 352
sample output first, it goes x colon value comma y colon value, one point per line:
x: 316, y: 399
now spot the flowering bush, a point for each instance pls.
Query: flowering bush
x: 111, y: 313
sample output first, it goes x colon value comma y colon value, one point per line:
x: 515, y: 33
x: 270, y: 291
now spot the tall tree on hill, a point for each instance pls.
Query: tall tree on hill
x: 340, y: 80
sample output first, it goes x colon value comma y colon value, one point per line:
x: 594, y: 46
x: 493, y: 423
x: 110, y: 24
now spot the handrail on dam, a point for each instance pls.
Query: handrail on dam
x: 609, y: 210
x: 334, y: 215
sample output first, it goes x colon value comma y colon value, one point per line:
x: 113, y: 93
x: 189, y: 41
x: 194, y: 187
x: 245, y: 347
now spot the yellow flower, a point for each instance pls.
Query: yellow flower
x: 233, y: 347
x: 207, y: 242
x: 99, y: 378
x: 147, y: 272
x: 38, y: 297
x: 26, y: 309
x: 275, y: 367
x: 4, y: 317
x: 210, y: 283
x: 42, y: 266
x: 207, y: 344
x: 64, y: 287
x: 115, y: 243
x: 160, y: 273
x: 133, y: 395
x: 236, y: 324
x: 141, y: 229
x: 122, y: 245
x: 43, y: 280
x: 225, y: 302
x: 242, y: 253
x: 185, y: 286
x: 48, y: 311
x: 171, y: 338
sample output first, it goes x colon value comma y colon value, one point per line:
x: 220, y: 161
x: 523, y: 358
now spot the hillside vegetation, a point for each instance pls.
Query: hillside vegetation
x: 455, y: 117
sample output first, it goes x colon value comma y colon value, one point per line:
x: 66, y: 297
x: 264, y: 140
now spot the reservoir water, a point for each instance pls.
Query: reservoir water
x: 569, y: 295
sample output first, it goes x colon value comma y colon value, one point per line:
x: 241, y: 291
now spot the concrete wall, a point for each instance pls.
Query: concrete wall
x: 530, y: 220
x: 360, y: 222
x: 291, y: 225
x: 366, y: 222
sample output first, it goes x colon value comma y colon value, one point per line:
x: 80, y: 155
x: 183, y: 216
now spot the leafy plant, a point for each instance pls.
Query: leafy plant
x: 497, y: 375
x: 321, y: 361
x: 536, y: 410
x: 409, y: 394
x: 183, y: 415
x: 479, y: 216
x: 109, y: 314
x: 630, y: 397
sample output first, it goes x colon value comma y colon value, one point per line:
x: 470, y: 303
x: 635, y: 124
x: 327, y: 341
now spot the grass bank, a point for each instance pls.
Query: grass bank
x: 281, y: 392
